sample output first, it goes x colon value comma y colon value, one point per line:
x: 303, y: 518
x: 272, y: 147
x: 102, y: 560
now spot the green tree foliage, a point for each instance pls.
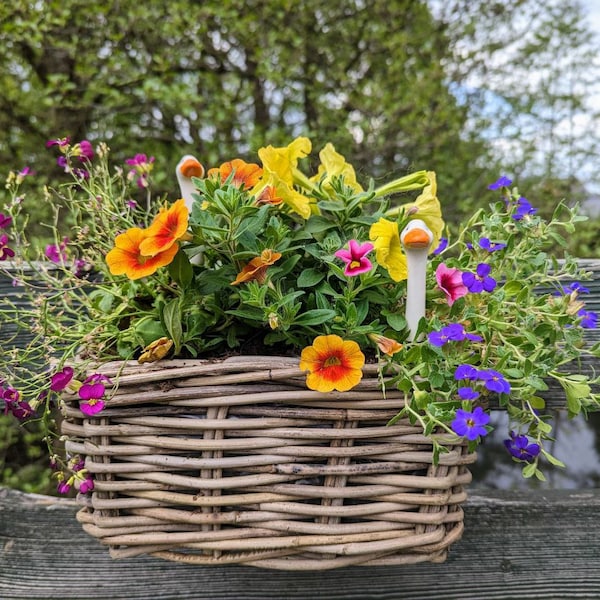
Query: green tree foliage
x: 219, y: 79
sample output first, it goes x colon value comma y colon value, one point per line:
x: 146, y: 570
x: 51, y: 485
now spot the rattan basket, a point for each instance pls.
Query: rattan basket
x: 235, y: 461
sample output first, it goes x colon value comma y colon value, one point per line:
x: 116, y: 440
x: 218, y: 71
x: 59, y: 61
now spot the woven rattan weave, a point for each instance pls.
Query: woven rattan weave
x: 235, y: 461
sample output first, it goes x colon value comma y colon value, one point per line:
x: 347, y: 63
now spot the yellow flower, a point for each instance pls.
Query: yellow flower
x: 333, y: 364
x: 386, y: 238
x: 280, y: 167
x: 155, y: 350
x: 427, y: 208
x: 334, y: 164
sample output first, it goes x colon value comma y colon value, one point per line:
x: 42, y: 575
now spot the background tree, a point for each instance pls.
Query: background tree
x: 465, y: 87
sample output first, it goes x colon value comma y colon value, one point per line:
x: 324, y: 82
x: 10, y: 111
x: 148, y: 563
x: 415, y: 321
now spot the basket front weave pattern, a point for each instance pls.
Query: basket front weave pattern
x: 235, y: 461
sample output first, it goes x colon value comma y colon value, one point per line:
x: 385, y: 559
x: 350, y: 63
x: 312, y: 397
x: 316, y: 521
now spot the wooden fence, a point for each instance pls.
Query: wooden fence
x: 516, y: 545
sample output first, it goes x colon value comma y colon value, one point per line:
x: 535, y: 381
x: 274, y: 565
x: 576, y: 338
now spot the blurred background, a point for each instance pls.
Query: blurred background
x: 472, y: 89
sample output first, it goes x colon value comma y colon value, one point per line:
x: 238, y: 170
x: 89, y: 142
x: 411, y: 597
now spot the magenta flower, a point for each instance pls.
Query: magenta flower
x: 91, y: 392
x: 60, y: 142
x: 63, y: 487
x: 86, y: 485
x: 60, y: 380
x: 450, y: 281
x: 84, y: 150
x: 356, y: 258
x: 5, y: 251
x: 5, y: 221
x: 142, y: 165
x: 57, y: 253
x: 20, y: 409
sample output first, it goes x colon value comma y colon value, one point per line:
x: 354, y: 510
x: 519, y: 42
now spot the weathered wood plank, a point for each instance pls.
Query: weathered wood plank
x: 525, y: 545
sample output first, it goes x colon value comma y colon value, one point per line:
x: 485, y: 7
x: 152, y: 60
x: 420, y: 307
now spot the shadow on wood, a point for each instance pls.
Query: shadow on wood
x: 515, y: 545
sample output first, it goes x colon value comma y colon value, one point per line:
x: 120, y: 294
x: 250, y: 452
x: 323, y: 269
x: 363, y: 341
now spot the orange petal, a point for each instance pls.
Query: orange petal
x: 169, y: 226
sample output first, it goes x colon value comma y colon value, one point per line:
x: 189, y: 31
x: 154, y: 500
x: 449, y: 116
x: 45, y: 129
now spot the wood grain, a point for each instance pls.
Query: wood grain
x: 515, y: 545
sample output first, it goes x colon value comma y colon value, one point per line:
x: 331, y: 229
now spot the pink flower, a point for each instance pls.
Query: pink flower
x: 356, y: 258
x: 451, y: 283
x: 60, y: 142
x: 57, y: 253
x: 61, y: 379
x: 63, y: 487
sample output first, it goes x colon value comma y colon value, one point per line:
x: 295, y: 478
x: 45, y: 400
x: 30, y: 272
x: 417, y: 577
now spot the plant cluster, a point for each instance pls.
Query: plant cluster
x: 263, y: 258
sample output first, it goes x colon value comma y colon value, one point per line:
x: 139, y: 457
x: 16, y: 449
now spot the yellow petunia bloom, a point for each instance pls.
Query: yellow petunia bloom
x: 280, y: 169
x: 333, y: 364
x: 427, y: 208
x: 386, y: 238
x: 334, y: 164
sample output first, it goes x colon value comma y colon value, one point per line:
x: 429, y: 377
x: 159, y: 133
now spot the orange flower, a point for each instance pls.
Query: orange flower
x: 269, y: 195
x: 246, y: 175
x: 126, y: 259
x: 386, y: 345
x: 257, y: 267
x: 334, y: 364
x: 168, y: 226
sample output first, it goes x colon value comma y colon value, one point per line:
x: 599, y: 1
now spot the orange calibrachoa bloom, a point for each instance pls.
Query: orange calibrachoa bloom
x: 269, y: 195
x: 386, y: 345
x: 333, y: 364
x: 246, y: 175
x: 127, y: 259
x: 256, y: 269
x: 169, y: 226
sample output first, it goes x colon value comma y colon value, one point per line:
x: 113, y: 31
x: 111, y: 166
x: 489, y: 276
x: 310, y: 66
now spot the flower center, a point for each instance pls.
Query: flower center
x: 332, y: 361
x: 355, y: 264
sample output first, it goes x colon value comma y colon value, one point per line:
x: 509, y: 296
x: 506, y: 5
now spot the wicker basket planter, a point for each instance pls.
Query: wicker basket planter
x: 235, y: 461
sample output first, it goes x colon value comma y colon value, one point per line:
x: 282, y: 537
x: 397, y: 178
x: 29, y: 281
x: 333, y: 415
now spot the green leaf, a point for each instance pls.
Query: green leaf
x: 537, y: 402
x: 529, y: 470
x: 172, y: 318
x: 395, y: 321
x: 310, y: 278
x: 181, y: 269
x: 315, y: 317
x: 512, y: 288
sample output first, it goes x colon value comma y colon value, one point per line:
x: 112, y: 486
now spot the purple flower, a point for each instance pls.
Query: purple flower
x: 466, y: 372
x: 523, y: 208
x: 57, y: 253
x: 442, y: 246
x: 486, y: 244
x: 494, y: 381
x: 455, y: 332
x: 576, y: 287
x: 479, y: 281
x: 500, y: 183
x: 356, y: 258
x: 470, y: 424
x: 520, y: 448
x: 589, y: 319
x: 61, y: 379
x: 5, y: 221
x: 467, y: 393
x: 5, y: 251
